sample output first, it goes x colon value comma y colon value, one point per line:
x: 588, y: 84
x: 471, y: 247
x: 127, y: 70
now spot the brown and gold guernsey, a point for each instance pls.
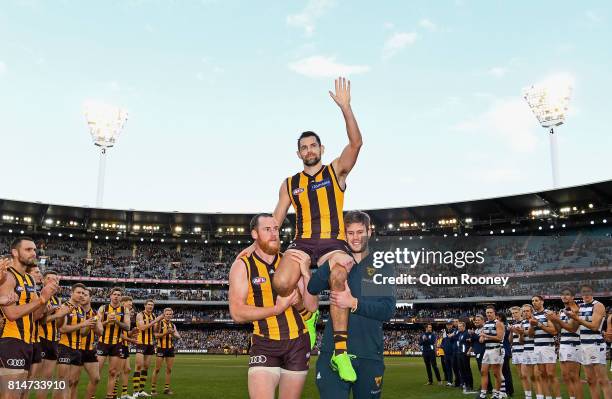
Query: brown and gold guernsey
x: 111, y: 333
x: 146, y: 336
x: 22, y: 328
x: 48, y: 330
x: 88, y: 341
x: 167, y: 341
x: 318, y: 202
x: 124, y: 341
x: 287, y: 325
x: 73, y: 339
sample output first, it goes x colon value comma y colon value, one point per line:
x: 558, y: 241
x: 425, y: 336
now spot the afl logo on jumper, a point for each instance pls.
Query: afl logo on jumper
x: 298, y: 191
x: 259, y: 280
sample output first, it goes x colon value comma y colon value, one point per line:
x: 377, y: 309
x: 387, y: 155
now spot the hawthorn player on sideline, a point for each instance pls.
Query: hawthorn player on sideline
x: 543, y: 332
x: 590, y: 319
x: 114, y: 319
x: 280, y: 345
x: 145, y: 346
x: 21, y: 306
x: 88, y: 352
x: 69, y: 357
x: 127, y: 337
x: 569, y: 345
x: 492, y: 336
x: 48, y: 332
x: 317, y: 196
x: 165, y: 333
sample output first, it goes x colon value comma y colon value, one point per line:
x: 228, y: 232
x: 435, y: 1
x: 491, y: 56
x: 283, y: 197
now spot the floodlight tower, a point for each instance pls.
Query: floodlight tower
x: 549, y: 102
x: 105, y: 123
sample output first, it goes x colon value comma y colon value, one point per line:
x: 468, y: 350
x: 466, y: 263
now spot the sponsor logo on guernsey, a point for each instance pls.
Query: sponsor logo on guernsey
x: 320, y: 184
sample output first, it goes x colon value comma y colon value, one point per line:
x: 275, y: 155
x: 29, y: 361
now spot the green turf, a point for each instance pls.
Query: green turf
x: 218, y: 376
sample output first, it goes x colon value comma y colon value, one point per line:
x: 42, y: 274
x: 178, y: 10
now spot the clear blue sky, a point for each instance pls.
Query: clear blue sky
x: 218, y: 91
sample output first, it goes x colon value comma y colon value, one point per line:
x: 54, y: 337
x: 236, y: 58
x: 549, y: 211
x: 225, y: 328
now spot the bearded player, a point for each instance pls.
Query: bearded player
x: 317, y: 196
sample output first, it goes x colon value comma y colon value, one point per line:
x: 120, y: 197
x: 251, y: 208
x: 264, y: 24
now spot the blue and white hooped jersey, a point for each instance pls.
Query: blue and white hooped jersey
x: 588, y: 336
x: 542, y: 338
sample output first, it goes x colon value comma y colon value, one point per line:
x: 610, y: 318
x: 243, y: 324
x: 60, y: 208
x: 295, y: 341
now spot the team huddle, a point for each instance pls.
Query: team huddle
x: 46, y: 343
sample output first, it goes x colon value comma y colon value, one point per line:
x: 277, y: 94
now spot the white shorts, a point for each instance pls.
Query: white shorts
x: 517, y: 358
x: 593, y: 354
x: 493, y: 356
x: 529, y: 358
x: 569, y: 353
x: 545, y: 354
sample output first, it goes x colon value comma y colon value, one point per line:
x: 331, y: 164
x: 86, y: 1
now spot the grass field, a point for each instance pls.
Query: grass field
x: 218, y: 376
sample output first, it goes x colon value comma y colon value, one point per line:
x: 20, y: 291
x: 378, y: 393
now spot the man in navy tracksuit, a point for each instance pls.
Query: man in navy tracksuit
x: 452, y: 333
x: 368, y: 312
x: 463, y: 361
x: 447, y: 362
x: 427, y: 342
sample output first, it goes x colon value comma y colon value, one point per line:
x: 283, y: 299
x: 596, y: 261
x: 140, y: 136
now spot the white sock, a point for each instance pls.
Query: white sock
x: 549, y: 397
x: 527, y: 394
x: 539, y: 396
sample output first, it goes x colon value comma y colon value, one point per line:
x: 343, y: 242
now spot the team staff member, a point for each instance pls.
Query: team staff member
x: 427, y: 342
x: 366, y: 318
x: 463, y: 361
x: 21, y: 306
x: 69, y: 359
x: 449, y: 350
x: 280, y: 350
x: 165, y: 334
x: 114, y: 320
x: 145, y: 346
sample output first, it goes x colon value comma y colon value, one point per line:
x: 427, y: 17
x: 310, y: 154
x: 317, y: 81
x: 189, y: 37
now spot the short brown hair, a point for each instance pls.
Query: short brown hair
x: 127, y: 298
x: 78, y: 285
x: 15, y: 243
x: 254, y: 223
x: 357, y: 217
x: 117, y: 289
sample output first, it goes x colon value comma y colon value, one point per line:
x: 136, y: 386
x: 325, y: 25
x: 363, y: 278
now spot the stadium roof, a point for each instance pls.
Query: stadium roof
x: 500, y: 208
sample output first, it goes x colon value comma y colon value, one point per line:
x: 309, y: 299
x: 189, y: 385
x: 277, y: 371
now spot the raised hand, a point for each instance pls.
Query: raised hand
x: 342, y: 96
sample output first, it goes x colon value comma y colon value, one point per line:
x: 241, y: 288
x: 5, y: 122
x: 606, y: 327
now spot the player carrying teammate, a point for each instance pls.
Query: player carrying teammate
x: 280, y: 344
x: 317, y: 196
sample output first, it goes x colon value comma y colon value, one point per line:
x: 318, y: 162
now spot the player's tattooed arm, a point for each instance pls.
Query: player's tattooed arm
x: 347, y: 159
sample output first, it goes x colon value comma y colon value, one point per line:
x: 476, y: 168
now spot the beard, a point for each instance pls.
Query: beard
x: 28, y: 262
x: 269, y: 247
x: 312, y: 161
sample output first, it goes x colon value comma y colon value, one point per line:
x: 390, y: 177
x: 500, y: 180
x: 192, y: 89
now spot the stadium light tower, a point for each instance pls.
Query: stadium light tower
x: 105, y: 123
x: 549, y: 103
